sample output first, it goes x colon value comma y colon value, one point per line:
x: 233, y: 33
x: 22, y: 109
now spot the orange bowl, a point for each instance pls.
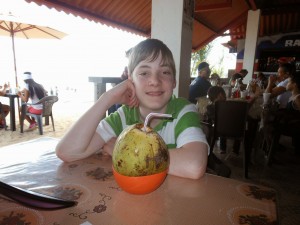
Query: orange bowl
x: 140, y: 185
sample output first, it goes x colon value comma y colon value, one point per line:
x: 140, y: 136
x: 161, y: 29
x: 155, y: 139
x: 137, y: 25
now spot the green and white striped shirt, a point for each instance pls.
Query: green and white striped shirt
x: 182, y: 129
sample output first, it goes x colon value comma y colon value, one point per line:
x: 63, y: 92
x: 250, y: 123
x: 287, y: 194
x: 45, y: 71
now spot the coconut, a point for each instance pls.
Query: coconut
x: 140, y: 151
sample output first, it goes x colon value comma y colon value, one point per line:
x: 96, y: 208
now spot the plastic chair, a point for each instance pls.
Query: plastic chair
x: 3, y: 116
x: 230, y: 123
x: 47, y: 102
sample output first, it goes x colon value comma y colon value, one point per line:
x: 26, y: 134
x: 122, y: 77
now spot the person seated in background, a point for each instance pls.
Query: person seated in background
x: 34, y: 92
x: 288, y: 118
x: 5, y: 108
x: 277, y: 84
x: 216, y: 93
x: 200, y: 85
x: 239, y: 77
x: 262, y: 81
x: 215, y: 80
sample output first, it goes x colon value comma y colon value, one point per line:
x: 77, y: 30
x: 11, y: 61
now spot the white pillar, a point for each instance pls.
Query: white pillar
x: 251, y: 42
x: 172, y: 23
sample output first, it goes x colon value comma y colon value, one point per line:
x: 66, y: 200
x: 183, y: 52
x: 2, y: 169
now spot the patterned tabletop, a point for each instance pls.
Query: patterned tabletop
x: 211, y: 200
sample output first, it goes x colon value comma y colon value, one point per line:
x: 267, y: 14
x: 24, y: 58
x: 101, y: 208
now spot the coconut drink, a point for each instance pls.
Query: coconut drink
x: 140, y: 152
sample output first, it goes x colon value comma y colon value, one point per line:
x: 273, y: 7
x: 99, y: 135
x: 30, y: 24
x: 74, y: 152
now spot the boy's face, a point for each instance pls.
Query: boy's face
x: 154, y: 84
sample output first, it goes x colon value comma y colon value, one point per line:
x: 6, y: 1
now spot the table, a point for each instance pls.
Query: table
x: 12, y: 111
x: 212, y: 199
x: 100, y: 84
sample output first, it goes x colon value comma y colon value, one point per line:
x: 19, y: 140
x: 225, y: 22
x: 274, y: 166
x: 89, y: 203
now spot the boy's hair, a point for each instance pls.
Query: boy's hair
x: 150, y: 49
x: 214, y: 91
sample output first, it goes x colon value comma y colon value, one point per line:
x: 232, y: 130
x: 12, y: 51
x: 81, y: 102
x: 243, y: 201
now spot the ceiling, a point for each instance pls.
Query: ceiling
x: 211, y: 17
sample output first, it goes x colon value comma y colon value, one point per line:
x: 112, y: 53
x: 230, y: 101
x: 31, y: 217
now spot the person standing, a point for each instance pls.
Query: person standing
x: 200, y: 86
x: 34, y: 92
x: 239, y: 76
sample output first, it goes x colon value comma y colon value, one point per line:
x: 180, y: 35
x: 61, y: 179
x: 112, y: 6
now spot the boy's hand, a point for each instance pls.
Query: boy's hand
x: 109, y: 146
x: 124, y: 93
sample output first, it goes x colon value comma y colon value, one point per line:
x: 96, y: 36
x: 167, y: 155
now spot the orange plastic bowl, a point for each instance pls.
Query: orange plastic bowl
x: 140, y: 185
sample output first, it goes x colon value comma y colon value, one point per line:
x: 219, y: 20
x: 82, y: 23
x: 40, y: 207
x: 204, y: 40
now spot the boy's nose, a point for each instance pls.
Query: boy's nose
x: 154, y: 79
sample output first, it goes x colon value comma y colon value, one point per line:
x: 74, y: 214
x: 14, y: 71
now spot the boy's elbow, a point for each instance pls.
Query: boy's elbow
x: 60, y: 154
x: 198, y: 171
x: 198, y: 164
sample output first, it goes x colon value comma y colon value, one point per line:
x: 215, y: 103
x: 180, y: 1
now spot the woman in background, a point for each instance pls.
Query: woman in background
x: 33, y: 92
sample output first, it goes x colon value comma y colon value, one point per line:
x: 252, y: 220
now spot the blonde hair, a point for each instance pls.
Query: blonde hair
x: 149, y: 50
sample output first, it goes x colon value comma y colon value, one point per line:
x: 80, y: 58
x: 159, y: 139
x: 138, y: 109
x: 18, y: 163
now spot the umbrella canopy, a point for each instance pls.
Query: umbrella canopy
x: 14, y: 27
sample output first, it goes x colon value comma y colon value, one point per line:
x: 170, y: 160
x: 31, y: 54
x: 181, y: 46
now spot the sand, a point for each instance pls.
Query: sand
x: 65, y: 112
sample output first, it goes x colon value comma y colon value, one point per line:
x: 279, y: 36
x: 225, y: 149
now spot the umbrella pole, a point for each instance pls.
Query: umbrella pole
x: 16, y: 74
x: 14, y: 54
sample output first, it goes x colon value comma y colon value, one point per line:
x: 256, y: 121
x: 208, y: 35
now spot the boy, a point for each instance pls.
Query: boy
x: 149, y: 88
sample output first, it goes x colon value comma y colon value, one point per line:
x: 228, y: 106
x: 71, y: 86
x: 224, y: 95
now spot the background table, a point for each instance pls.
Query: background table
x: 33, y: 165
x: 12, y: 111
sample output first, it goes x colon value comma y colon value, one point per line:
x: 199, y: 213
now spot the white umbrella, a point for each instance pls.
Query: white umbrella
x: 14, y: 27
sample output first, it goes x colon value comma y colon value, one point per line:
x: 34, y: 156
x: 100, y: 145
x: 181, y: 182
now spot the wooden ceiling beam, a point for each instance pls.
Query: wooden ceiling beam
x: 69, y: 8
x: 226, y: 4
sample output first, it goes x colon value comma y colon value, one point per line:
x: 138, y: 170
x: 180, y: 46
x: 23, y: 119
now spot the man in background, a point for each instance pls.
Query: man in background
x: 201, y: 84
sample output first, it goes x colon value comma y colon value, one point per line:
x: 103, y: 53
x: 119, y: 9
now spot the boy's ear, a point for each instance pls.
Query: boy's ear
x: 174, y: 84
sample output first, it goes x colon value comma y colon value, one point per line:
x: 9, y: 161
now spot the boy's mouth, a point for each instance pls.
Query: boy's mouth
x: 154, y: 93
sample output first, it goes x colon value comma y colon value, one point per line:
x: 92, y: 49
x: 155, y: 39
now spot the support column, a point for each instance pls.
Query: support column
x: 172, y: 23
x: 251, y: 42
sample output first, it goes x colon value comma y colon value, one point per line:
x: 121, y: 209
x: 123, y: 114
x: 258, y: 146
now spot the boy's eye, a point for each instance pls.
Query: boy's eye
x: 143, y: 73
x: 166, y: 72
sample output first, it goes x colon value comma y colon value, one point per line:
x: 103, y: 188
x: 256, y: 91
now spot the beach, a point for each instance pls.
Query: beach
x: 70, y: 106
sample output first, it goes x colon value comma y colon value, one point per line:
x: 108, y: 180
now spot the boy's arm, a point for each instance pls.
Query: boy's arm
x: 189, y: 161
x: 82, y: 140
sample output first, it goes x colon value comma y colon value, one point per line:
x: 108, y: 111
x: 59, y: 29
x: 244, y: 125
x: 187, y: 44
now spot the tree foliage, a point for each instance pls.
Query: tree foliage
x: 199, y: 56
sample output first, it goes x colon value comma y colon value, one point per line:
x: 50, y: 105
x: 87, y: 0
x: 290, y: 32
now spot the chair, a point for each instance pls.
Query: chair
x: 214, y: 163
x: 3, y: 116
x: 47, y: 102
x: 285, y: 123
x: 230, y: 122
